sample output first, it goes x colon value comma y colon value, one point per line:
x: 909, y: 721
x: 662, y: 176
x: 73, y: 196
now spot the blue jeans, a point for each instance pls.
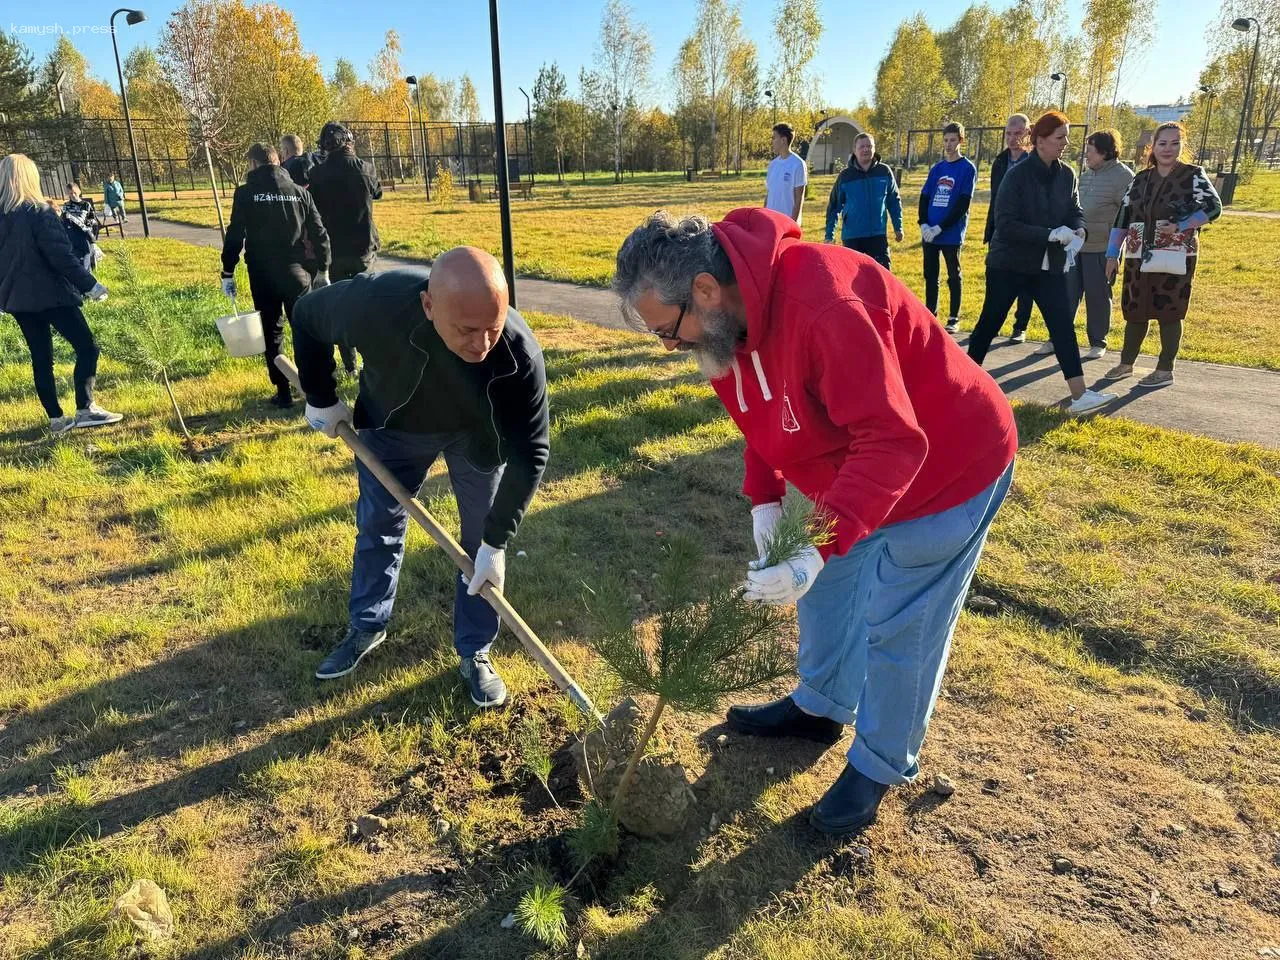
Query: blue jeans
x: 875, y: 630
x: 381, y: 524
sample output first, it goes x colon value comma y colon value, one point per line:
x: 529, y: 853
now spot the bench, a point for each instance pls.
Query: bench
x: 522, y: 188
x: 109, y: 225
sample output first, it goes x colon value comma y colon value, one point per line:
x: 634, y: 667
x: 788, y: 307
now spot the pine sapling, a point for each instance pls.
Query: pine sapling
x: 533, y: 752
x: 801, y: 526
x: 541, y: 913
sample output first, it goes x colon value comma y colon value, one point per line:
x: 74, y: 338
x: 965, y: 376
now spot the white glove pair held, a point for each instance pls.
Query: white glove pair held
x: 783, y: 583
x: 929, y: 233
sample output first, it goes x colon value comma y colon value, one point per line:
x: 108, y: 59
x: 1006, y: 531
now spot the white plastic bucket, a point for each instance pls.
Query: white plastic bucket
x: 242, y: 334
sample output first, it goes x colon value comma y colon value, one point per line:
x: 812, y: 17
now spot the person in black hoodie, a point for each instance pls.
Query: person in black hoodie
x: 286, y: 250
x: 1016, y: 145
x: 296, y: 163
x: 81, y: 221
x: 43, y: 283
x: 450, y: 369
x: 344, y: 188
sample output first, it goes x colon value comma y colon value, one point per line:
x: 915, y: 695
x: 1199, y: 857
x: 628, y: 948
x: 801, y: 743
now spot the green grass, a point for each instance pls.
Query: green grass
x: 572, y: 233
x: 1261, y: 193
x: 163, y: 613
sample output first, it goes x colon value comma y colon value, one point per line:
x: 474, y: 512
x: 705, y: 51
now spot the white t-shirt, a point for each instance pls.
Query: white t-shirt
x: 780, y: 182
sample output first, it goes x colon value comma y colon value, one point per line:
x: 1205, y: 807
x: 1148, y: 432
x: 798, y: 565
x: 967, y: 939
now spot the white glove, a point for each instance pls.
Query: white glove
x: 787, y: 582
x: 97, y: 294
x: 1073, y: 248
x: 928, y: 233
x: 326, y: 419
x: 1062, y: 235
x: 763, y: 519
x: 491, y: 567
x: 321, y: 280
x: 229, y: 287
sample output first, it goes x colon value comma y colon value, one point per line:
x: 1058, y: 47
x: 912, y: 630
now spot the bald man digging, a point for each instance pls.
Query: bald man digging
x: 449, y: 369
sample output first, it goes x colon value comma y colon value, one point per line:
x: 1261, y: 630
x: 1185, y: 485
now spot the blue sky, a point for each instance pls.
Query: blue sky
x: 454, y: 37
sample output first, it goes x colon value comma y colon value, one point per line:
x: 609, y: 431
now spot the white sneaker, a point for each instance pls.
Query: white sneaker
x: 953, y: 325
x: 1044, y: 349
x: 94, y: 416
x: 59, y: 425
x: 1094, y: 353
x: 1018, y: 336
x: 1089, y: 400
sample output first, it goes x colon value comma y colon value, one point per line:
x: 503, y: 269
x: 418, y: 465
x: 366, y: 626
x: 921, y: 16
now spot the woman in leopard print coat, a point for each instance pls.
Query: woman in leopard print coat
x: 1162, y: 213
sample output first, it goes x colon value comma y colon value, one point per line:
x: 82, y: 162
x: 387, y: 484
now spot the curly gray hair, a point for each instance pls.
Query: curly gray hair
x: 664, y: 254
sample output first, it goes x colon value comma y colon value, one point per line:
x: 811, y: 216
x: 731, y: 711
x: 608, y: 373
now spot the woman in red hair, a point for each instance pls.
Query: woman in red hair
x: 1039, y: 230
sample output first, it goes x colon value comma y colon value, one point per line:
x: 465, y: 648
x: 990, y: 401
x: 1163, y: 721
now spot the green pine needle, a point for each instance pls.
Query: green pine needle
x: 595, y: 836
x: 541, y: 915
x: 801, y: 526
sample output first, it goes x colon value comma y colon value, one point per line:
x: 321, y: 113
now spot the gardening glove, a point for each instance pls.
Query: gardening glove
x: 787, y: 582
x: 97, y: 294
x: 924, y: 233
x: 763, y: 519
x: 1062, y: 235
x: 326, y: 419
x: 321, y: 280
x: 229, y: 287
x: 491, y: 567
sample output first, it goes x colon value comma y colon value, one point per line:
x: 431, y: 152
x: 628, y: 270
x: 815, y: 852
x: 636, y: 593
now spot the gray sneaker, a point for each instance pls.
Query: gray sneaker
x: 348, y: 654
x: 94, y: 416
x: 483, y: 683
x: 59, y: 425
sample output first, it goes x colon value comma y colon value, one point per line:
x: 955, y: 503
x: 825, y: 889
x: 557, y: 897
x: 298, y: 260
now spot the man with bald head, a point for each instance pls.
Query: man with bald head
x: 449, y: 369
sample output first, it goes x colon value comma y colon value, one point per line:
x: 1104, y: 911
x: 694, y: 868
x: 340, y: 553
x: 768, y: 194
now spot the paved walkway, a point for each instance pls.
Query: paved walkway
x: 1223, y: 402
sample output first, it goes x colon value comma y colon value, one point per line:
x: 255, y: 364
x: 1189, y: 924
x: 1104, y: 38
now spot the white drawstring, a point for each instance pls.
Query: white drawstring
x: 764, y: 384
x: 737, y: 382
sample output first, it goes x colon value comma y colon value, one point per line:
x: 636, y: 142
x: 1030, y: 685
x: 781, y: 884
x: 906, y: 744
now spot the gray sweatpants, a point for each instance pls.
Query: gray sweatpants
x: 1089, y: 282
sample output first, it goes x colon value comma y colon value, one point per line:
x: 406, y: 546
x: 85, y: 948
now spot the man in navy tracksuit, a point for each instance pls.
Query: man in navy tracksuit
x: 865, y: 195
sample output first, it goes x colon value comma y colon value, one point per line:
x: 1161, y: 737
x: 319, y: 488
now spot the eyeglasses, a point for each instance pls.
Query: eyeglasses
x: 675, y: 331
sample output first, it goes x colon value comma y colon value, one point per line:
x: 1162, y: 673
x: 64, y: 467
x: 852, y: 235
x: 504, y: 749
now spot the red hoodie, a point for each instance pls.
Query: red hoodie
x: 849, y: 388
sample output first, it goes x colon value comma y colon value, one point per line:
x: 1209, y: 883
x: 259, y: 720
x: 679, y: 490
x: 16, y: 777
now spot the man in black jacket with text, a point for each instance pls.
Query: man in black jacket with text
x: 344, y: 188
x: 286, y: 250
x: 449, y: 368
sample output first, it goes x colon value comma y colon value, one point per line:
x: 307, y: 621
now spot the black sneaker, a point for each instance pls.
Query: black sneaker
x: 283, y: 399
x: 483, y: 683
x: 348, y: 654
x: 850, y: 805
x: 782, y: 718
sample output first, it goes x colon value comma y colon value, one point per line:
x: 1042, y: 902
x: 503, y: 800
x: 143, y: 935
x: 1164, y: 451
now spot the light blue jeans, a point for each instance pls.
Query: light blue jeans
x: 875, y: 630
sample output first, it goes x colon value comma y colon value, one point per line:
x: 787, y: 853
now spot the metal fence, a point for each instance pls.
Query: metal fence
x: 90, y: 150
x: 923, y: 147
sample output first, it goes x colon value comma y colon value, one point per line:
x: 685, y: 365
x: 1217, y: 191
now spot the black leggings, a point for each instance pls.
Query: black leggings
x: 1051, y: 294
x: 954, y: 280
x: 37, y: 329
x: 1170, y: 340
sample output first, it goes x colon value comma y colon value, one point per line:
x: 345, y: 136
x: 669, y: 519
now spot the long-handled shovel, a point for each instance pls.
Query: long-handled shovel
x: 524, y: 633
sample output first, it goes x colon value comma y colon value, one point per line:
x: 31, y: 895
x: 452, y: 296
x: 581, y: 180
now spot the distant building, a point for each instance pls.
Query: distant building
x: 832, y: 141
x: 1164, y: 112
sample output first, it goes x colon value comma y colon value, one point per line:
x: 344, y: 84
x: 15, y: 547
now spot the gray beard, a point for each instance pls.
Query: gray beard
x: 717, y: 344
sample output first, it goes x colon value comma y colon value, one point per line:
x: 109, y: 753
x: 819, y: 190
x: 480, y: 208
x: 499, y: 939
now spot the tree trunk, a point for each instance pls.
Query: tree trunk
x: 213, y: 180
x: 168, y: 388
x: 636, y: 755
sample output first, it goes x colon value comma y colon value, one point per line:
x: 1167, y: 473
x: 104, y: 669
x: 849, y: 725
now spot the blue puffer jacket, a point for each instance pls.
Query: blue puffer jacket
x: 866, y: 199
x: 38, y: 270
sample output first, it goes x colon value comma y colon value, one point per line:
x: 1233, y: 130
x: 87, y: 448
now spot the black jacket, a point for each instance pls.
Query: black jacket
x: 999, y: 167
x: 344, y: 188
x: 276, y: 223
x: 38, y: 270
x: 409, y: 375
x: 298, y: 168
x: 81, y: 222
x: 1033, y: 200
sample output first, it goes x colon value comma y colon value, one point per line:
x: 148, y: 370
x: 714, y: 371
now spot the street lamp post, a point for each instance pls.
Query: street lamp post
x: 131, y: 17
x: 1242, y: 24
x: 1056, y: 77
x: 504, y: 174
x: 422, y: 134
x: 1208, y: 116
x: 528, y: 130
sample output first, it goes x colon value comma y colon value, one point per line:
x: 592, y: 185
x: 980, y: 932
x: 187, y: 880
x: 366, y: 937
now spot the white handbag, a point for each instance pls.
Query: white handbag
x: 1165, y: 260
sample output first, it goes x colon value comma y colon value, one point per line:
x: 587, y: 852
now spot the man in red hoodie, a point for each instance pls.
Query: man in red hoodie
x: 844, y: 385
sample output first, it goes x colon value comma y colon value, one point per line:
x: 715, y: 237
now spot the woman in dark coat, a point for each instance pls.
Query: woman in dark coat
x: 1039, y: 229
x: 1158, y: 225
x: 43, y: 283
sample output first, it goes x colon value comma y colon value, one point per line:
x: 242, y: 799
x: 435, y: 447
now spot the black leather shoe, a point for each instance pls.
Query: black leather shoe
x: 850, y: 805
x: 783, y: 718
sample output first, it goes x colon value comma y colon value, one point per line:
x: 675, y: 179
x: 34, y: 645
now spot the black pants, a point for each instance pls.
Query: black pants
x: 1022, y: 315
x: 954, y: 280
x: 37, y: 329
x: 275, y: 292
x: 877, y: 248
x: 345, y: 269
x: 1051, y: 294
